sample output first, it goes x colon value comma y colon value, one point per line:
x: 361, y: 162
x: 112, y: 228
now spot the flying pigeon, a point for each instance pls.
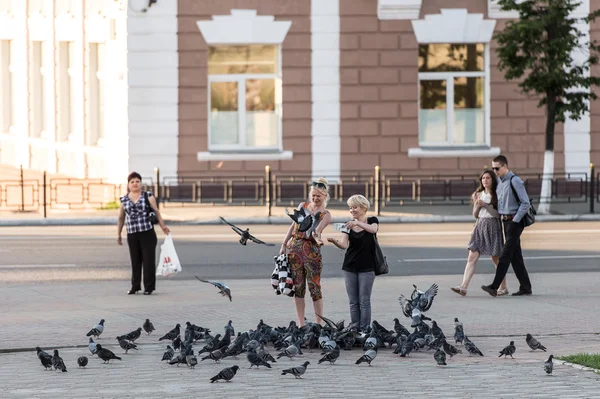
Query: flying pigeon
x: 534, y: 343
x: 96, y: 330
x: 224, y: 290
x: 368, y: 357
x: 440, y: 357
x: 82, y: 361
x: 306, y: 221
x: 297, y: 371
x: 226, y: 374
x: 548, y: 365
x: 168, y: 355
x: 508, y: 350
x: 105, y: 354
x: 44, y: 357
x: 245, y: 234
x: 57, y: 362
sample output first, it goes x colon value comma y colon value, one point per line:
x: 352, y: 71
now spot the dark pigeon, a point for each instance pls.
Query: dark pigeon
x: 44, y: 357
x: 82, y: 361
x: 534, y: 343
x: 57, y: 362
x: 548, y: 365
x: 168, y: 355
x: 224, y: 290
x: 105, y: 354
x: 148, y: 326
x: 508, y: 350
x: 135, y: 334
x: 171, y: 335
x: 471, y: 348
x: 440, y: 357
x: 226, y: 374
x: 331, y: 357
x: 245, y: 234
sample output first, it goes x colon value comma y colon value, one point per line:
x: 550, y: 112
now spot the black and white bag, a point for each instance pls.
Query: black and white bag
x: 281, y: 279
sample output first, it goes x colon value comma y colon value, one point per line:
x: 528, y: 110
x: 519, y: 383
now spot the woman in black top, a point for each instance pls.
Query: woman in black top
x: 359, y: 262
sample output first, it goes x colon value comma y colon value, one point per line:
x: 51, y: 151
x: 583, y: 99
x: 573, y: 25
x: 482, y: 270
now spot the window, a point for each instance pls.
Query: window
x: 452, y: 81
x: 38, y: 93
x: 6, y: 83
x: 244, y: 97
x: 65, y: 87
x: 36, y: 6
x: 96, y: 64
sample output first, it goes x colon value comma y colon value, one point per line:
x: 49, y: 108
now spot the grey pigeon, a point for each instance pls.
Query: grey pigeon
x: 290, y: 352
x: 171, y: 335
x: 57, y: 362
x: 255, y: 360
x: 92, y: 346
x: 148, y: 326
x: 44, y: 357
x: 168, y: 355
x: 226, y: 374
x: 135, y: 334
x: 368, y: 357
x: 245, y: 234
x: 331, y: 356
x: 266, y: 356
x: 215, y: 355
x: 450, y: 349
x: 459, y: 332
x: 229, y: 326
x: 82, y: 361
x: 105, y: 354
x: 436, y: 330
x: 96, y: 330
x: 305, y: 220
x: 297, y: 371
x: 534, y: 343
x: 548, y: 365
x: 224, y: 290
x: 126, y: 345
x: 191, y: 360
x: 471, y: 348
x: 440, y: 357
x: 508, y: 350
x: 399, y: 328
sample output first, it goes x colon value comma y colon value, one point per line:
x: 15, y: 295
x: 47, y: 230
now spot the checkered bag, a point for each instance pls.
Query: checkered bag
x: 281, y: 279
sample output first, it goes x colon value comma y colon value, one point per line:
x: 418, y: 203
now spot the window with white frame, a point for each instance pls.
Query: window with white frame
x: 452, y: 83
x: 38, y: 95
x: 6, y: 83
x: 96, y: 63
x: 65, y: 87
x: 244, y: 97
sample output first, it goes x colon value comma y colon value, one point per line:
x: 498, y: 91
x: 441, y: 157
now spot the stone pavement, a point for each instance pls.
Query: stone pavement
x: 561, y: 313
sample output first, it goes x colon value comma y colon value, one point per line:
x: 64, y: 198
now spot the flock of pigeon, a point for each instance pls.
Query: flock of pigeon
x: 290, y: 342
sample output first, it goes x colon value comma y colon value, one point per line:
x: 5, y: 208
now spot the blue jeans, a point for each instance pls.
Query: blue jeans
x: 359, y: 287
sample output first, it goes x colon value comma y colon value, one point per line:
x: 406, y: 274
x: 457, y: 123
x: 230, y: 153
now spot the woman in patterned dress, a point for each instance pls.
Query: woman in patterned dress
x: 486, y: 238
x: 304, y: 252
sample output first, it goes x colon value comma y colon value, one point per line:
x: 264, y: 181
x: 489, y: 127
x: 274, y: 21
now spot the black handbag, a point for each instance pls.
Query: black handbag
x: 529, y: 217
x: 151, y: 213
x: 381, y: 265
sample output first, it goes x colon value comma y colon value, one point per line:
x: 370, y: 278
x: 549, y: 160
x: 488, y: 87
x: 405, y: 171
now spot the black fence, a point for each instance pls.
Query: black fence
x: 269, y: 189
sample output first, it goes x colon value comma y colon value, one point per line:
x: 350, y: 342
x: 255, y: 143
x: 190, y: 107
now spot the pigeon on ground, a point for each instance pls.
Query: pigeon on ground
x: 440, y: 357
x: 437, y: 331
x: 126, y: 345
x: 215, y: 355
x: 171, y: 335
x: 57, y: 362
x: 548, y: 365
x: 331, y: 356
x: 471, y: 348
x: 297, y: 371
x: 168, y: 355
x: 508, y: 350
x: 368, y: 357
x: 229, y: 326
x: 82, y: 361
x: 135, y: 334
x: 450, y: 349
x: 245, y: 234
x: 534, y: 343
x: 148, y: 326
x: 226, y: 374
x: 44, y: 357
x: 92, y: 346
x: 191, y: 360
x: 96, y: 330
x: 224, y: 290
x: 265, y: 355
x: 400, y: 329
x: 290, y: 352
x: 255, y: 360
x: 105, y: 354
x: 459, y: 332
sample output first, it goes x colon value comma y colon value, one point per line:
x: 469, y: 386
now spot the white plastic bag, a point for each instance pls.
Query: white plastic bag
x: 168, y: 263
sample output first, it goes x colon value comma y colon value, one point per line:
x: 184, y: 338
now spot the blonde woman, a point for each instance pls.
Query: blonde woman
x: 359, y: 262
x: 304, y: 254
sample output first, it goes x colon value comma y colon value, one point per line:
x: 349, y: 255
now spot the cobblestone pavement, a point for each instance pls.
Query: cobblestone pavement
x: 58, y: 315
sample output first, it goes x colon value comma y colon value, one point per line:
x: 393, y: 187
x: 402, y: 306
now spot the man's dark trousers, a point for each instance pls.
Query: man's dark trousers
x: 511, y: 253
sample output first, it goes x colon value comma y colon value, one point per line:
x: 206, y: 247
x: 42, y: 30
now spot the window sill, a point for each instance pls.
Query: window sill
x: 245, y: 156
x: 449, y: 152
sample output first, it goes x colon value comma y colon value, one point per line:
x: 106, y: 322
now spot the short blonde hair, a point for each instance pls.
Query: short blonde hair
x: 324, y: 191
x: 360, y: 201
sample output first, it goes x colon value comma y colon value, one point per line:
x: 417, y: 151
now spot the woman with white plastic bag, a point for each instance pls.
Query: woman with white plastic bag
x: 168, y: 263
x: 139, y: 212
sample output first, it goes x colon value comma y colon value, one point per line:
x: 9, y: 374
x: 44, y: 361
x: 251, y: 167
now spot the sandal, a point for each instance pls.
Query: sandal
x: 459, y: 290
x: 502, y: 292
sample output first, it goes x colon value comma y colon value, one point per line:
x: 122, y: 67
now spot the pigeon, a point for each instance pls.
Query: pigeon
x: 508, y: 350
x: 255, y: 360
x: 135, y: 334
x: 548, y: 365
x: 92, y: 346
x: 331, y: 356
x: 57, y: 362
x: 191, y: 360
x: 105, y: 354
x: 171, y: 335
x: 96, y: 330
x: 459, y: 332
x: 471, y: 348
x: 450, y: 349
x: 126, y: 345
x: 44, y: 357
x: 224, y: 290
x: 290, y: 352
x: 534, y: 343
x: 82, y: 361
x: 168, y: 355
x: 229, y: 326
x: 297, y: 371
x: 307, y: 223
x: 399, y: 328
x: 440, y: 357
x: 437, y: 331
x: 215, y: 355
x: 148, y: 326
x: 226, y: 374
x: 368, y: 357
x: 245, y: 234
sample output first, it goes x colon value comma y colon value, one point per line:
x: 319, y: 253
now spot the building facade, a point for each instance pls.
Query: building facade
x: 96, y: 88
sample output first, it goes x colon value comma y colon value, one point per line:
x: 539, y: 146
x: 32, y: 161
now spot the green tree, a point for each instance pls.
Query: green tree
x: 538, y: 49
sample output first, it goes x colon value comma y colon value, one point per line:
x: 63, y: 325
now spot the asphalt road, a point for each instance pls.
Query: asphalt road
x: 91, y: 252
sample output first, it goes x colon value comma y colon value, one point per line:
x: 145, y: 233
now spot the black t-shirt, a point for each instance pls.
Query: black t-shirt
x: 360, y: 255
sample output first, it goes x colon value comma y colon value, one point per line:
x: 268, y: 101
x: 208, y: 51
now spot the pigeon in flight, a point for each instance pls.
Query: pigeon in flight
x: 534, y: 343
x: 224, y: 290
x: 82, y: 361
x: 508, y: 350
x: 245, y: 234
x: 57, y: 362
x: 226, y: 374
x: 148, y: 326
x: 297, y: 371
x: 548, y: 365
x: 305, y: 220
x: 96, y: 330
x: 105, y: 354
x: 44, y: 357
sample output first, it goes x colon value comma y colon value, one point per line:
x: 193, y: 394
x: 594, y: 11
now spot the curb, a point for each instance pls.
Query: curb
x: 278, y: 220
x: 578, y: 366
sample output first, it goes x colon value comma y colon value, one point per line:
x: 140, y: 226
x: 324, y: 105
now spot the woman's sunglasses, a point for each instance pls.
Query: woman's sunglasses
x: 319, y: 185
